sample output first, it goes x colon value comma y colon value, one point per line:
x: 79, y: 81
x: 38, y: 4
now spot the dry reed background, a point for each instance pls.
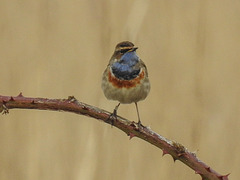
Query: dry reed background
x: 59, y: 48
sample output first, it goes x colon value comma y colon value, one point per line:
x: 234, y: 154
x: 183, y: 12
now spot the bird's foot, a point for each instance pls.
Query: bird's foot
x: 112, y: 117
x: 139, y: 125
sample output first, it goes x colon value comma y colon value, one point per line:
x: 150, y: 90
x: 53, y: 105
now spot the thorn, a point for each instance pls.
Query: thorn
x: 71, y: 98
x: 11, y: 99
x: 131, y: 135
x: 174, y: 159
x: 208, y: 169
x: 32, y: 102
x: 85, y: 108
x: 20, y: 95
x: 164, y: 152
x: 225, y: 177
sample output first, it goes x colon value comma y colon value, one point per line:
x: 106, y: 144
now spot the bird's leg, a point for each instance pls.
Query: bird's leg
x: 115, y: 110
x: 114, y: 114
x: 139, y: 121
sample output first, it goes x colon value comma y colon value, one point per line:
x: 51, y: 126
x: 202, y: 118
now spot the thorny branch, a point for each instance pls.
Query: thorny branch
x: 175, y: 149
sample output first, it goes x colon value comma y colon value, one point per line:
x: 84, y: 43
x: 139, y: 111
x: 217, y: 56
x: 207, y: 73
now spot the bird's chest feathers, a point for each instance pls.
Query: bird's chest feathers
x: 118, y: 83
x: 126, y: 72
x: 127, y: 68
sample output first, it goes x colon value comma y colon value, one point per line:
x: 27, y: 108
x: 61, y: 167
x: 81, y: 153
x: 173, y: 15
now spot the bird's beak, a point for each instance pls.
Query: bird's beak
x: 133, y: 49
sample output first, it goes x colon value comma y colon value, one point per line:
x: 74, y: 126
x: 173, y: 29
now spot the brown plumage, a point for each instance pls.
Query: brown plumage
x: 125, y: 78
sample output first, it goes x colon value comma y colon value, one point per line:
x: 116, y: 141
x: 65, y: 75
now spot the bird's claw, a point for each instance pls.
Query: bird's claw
x: 139, y: 124
x: 112, y: 117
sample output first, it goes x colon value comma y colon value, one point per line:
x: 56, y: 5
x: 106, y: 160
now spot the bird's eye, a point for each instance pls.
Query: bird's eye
x: 124, y: 51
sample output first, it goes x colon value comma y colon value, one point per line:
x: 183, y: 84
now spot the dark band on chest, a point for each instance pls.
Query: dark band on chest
x: 123, y: 75
x: 125, y: 83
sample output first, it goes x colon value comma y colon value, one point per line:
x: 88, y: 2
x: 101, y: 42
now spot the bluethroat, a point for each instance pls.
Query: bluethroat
x: 126, y: 78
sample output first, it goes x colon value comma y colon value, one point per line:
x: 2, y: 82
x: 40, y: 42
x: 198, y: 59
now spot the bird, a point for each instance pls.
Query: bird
x: 126, y: 77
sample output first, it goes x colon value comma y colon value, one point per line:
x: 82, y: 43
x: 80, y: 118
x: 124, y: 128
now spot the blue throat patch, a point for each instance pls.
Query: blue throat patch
x: 125, y: 68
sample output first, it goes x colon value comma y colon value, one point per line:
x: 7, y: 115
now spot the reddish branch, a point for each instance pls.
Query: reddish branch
x: 176, y: 150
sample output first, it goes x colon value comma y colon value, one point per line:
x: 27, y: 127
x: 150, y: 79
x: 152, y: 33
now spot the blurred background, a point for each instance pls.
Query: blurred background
x: 54, y: 49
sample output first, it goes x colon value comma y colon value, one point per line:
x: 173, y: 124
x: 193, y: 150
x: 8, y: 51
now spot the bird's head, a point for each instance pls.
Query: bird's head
x: 122, y: 48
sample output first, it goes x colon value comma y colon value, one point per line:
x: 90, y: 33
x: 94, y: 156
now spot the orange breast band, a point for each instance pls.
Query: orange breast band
x: 125, y: 83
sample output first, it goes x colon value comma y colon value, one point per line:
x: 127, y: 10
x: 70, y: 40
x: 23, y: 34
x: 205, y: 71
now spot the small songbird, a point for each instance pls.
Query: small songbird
x: 126, y: 78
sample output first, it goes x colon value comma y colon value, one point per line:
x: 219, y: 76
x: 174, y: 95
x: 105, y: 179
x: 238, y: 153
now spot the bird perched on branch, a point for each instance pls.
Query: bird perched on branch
x: 126, y: 78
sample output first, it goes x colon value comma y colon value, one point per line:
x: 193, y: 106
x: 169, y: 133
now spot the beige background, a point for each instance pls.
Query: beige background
x: 58, y: 48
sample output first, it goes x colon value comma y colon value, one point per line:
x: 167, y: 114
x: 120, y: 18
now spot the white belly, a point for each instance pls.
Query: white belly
x: 126, y: 95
